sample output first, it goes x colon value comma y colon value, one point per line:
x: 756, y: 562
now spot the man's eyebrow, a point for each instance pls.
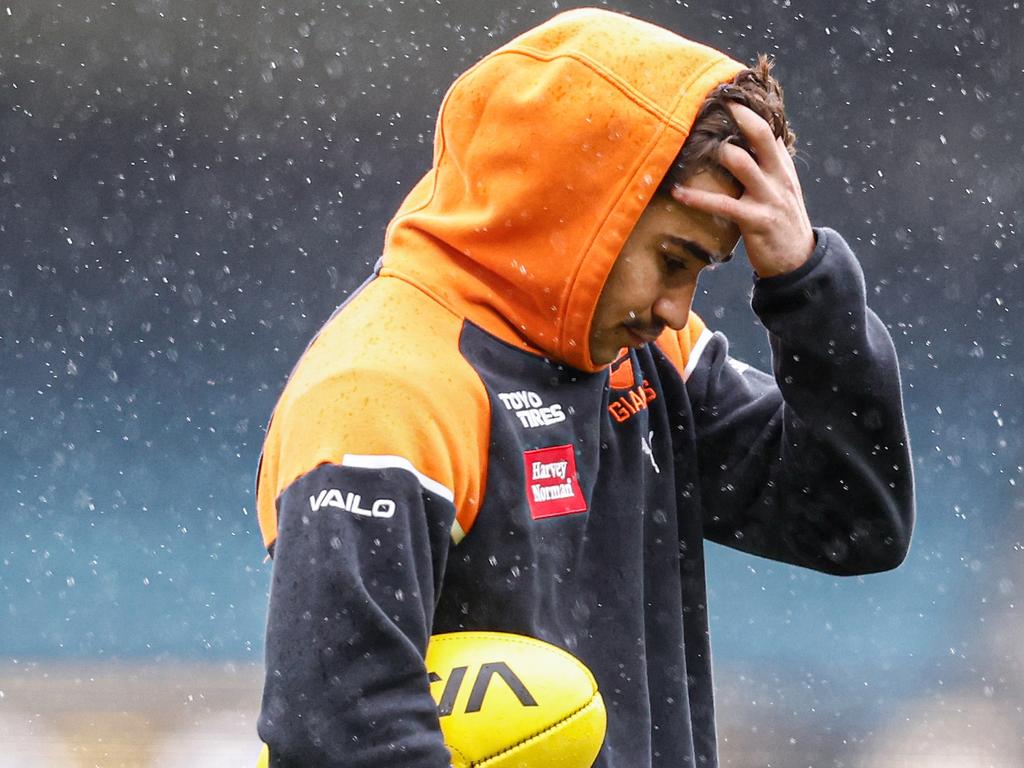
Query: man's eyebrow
x: 704, y: 255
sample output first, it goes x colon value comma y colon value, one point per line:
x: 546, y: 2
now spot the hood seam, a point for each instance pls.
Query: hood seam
x: 666, y: 120
x: 614, y: 80
x: 397, y: 275
x: 607, y: 75
x: 656, y: 138
x: 663, y: 114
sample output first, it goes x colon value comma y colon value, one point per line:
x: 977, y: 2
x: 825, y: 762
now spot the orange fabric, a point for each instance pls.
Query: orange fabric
x: 621, y: 375
x: 677, y: 345
x: 384, y: 377
x: 546, y: 153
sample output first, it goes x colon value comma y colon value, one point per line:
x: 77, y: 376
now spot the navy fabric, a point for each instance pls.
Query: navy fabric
x: 809, y: 465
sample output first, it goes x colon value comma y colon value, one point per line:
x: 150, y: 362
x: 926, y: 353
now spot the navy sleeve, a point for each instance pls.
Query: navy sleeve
x: 810, y: 465
x: 358, y: 563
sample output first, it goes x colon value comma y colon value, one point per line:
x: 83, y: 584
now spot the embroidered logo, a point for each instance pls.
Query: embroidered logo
x: 645, y: 446
x: 552, y: 487
x: 351, y: 502
x: 630, y: 404
x: 636, y: 396
x: 530, y: 409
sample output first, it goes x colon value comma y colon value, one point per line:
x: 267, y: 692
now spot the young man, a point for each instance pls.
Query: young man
x: 519, y: 425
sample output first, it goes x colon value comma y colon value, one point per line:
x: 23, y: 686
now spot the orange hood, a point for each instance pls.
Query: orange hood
x: 546, y: 153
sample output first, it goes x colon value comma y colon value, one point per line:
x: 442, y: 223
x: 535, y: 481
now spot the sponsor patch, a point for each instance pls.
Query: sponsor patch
x: 552, y: 487
x: 630, y: 404
x: 351, y: 502
x: 530, y: 409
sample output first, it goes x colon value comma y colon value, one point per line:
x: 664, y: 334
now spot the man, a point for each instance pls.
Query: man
x: 518, y: 424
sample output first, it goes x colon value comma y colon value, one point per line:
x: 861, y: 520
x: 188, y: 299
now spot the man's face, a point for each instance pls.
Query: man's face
x: 651, y: 284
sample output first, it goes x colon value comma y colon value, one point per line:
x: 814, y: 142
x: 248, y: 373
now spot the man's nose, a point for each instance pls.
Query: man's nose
x: 673, y: 307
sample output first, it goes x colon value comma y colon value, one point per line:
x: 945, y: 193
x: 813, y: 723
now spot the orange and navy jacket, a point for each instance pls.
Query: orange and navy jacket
x: 445, y: 456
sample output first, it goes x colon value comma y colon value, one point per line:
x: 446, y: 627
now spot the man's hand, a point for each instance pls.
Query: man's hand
x: 770, y: 213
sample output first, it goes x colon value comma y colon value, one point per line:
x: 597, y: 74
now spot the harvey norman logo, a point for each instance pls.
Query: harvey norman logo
x: 351, y: 502
x: 552, y: 487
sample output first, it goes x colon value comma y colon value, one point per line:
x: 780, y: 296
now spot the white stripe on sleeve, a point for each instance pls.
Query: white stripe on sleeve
x: 696, y: 352
x: 398, y: 462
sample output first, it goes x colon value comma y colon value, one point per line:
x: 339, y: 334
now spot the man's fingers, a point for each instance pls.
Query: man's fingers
x: 771, y: 158
x: 759, y: 135
x: 787, y: 162
x: 714, y: 203
x: 743, y: 167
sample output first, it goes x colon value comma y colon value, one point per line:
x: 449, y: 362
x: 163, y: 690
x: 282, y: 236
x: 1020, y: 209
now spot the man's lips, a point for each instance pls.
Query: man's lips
x: 644, y: 335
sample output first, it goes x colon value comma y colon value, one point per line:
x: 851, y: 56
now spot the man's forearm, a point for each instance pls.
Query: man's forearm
x: 350, y: 614
x: 813, y: 467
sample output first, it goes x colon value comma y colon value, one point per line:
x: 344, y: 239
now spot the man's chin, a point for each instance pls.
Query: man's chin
x: 599, y: 355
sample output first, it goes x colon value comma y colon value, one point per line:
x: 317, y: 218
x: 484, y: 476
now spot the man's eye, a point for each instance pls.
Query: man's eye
x: 672, y: 264
x: 673, y: 261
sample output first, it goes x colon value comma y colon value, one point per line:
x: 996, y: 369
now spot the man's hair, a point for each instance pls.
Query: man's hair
x: 755, y: 88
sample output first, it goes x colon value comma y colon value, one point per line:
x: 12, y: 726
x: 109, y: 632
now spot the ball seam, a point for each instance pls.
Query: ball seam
x: 483, y: 763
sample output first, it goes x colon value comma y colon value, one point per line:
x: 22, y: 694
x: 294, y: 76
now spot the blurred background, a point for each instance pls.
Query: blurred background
x: 188, y: 189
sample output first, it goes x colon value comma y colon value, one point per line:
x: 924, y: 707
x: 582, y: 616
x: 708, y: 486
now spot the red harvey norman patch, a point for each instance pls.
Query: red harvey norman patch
x: 552, y: 487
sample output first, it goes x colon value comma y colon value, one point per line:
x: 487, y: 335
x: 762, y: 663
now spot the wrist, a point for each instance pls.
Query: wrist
x: 791, y: 261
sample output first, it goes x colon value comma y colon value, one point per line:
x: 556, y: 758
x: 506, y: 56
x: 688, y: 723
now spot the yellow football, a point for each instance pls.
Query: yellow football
x: 510, y: 701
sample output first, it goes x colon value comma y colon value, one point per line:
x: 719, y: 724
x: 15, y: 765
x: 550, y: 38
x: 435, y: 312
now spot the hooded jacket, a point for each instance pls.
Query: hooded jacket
x: 446, y: 456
